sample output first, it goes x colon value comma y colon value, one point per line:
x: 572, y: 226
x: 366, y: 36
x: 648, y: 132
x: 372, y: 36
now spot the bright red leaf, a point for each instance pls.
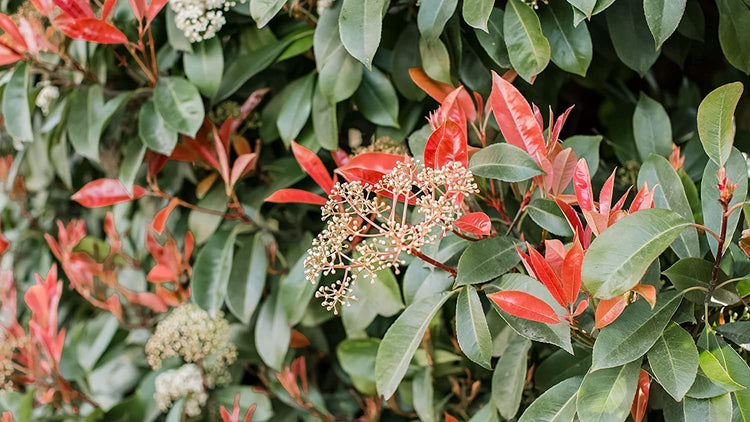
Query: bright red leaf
x: 91, y: 29
x: 446, y: 144
x: 524, y: 305
x: 546, y: 275
x: 571, y: 271
x: 476, y: 223
x: 370, y: 167
x: 582, y: 185
x: 160, y: 220
x: 295, y: 196
x: 312, y: 165
x: 640, y: 401
x: 439, y: 91
x: 103, y: 192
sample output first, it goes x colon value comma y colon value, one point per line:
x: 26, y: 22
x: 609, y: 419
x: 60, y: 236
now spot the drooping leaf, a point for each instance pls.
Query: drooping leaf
x: 435, y: 59
x: 715, y: 115
x: 153, y: 130
x: 630, y: 35
x: 376, y: 99
x: 491, y: 41
x: 360, y: 25
x: 651, y: 128
x: 205, y: 65
x: 247, y: 278
x: 606, y: 394
x: 325, y: 121
x: 424, y: 393
x: 357, y: 358
x: 272, y: 333
x: 179, y: 104
x: 674, y: 360
x: 89, y: 115
x: 509, y: 377
x: 714, y: 409
x: 571, y: 48
x: 558, y: 404
x: 433, y: 15
x: 296, y: 108
x: 528, y: 49
x: 471, y: 327
x: 263, y: 11
x: 295, y: 292
x: 734, y: 22
x: 212, y: 269
x: 476, y: 13
x: 16, y: 104
x: 662, y: 17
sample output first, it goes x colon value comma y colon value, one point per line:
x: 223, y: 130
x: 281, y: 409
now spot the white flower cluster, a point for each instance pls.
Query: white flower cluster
x: 357, y: 212
x: 47, y: 95
x: 174, y: 384
x: 200, y: 19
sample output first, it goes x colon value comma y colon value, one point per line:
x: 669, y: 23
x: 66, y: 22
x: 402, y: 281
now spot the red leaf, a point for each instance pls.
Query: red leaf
x: 439, y: 91
x: 242, y: 164
x: 640, y: 401
x: 515, y: 118
x: 370, y: 167
x: 644, y: 199
x: 298, y: 340
x: 609, y: 309
x: 446, y: 144
x: 11, y: 29
x: 580, y: 308
x: 605, y: 195
x: 573, y: 220
x: 582, y: 186
x: 647, y: 291
x: 571, y: 271
x: 107, y: 8
x: 340, y: 157
x: 450, y: 418
x: 94, y: 30
x: 563, y: 168
x: 153, y: 9
x: 559, y: 123
x: 524, y: 305
x: 477, y: 223
x: 311, y: 163
x: 139, y: 8
x: 103, y: 192
x: 75, y: 9
x: 155, y: 162
x: 538, y: 116
x: 160, y: 220
x: 295, y: 196
x: 546, y: 275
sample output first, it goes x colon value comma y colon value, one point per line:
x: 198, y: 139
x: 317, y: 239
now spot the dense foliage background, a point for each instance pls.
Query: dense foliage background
x: 166, y: 162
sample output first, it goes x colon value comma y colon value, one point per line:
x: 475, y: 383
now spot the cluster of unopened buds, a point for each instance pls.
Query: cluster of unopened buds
x: 369, y: 226
x: 200, y: 19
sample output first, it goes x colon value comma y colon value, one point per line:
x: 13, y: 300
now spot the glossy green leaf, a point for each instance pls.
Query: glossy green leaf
x: 617, y: 259
x: 586, y: 147
x: 714, y: 359
x: 357, y: 358
x: 696, y: 272
x: 528, y: 49
x: 558, y: 404
x: 247, y: 278
x: 296, y: 108
x: 607, y: 394
x: 376, y: 99
x: 272, y: 333
x: 561, y: 365
x: 401, y: 341
x: 651, y: 128
x: 360, y: 26
x: 548, y: 215
x: 734, y: 24
x: 378, y: 295
x: 263, y: 11
x: 154, y: 131
x: 471, y: 328
x: 424, y: 394
x: 509, y: 377
x: 715, y: 409
x: 715, y: 115
x: 662, y: 17
x: 205, y: 65
x: 340, y: 73
x: 202, y: 224
x: 737, y: 332
x: 630, y: 35
x: 179, y: 104
x: 486, y: 259
x: 88, y: 117
x: 406, y: 56
x: 435, y: 59
x: 504, y: 162
x: 16, y: 104
x: 211, y: 270
x: 491, y: 41
x: 736, y: 168
x: 633, y: 333
x: 325, y: 121
x: 295, y: 292
x: 571, y: 47
x: 477, y: 12
x: 433, y: 15
x: 674, y: 360
x: 669, y: 193
x: 133, y: 154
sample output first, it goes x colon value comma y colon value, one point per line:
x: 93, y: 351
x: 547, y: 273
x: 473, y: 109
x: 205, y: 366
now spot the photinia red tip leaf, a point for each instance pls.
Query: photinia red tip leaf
x: 446, y: 144
x: 295, y: 196
x: 103, y: 192
x: 93, y: 30
x: 647, y: 291
x: 546, y: 275
x: 571, y: 271
x: 160, y: 220
x: 582, y: 186
x: 609, y: 309
x: 477, y: 223
x: 640, y: 401
x: 370, y: 167
x: 311, y: 163
x: 524, y: 305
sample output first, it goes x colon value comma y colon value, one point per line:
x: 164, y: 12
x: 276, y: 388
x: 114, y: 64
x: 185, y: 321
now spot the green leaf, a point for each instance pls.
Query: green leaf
x: 651, y: 128
x: 295, y: 292
x: 16, y: 110
x: 696, y: 272
x: 630, y: 35
x: 662, y: 17
x: 558, y: 404
x: 561, y: 365
x: 154, y: 131
x: 693, y: 23
x: 633, y: 333
x: 584, y: 6
x: 423, y: 394
x: 211, y: 271
x: 94, y: 338
x: 715, y: 115
x: 132, y: 159
x: 272, y: 333
x: 714, y: 359
x: 617, y: 259
x: 704, y: 388
x: 202, y: 224
x: 179, y: 104
x: 607, y: 394
x: 737, y: 332
x: 477, y: 12
x: 669, y: 193
x: 247, y: 65
x: 586, y: 147
x: 248, y: 397
x: 176, y: 411
x: 435, y: 59
x: 175, y: 35
x: 548, y: 215
x: 471, y: 328
x: 491, y: 41
x: 406, y: 56
x: 340, y: 73
x: 486, y: 259
x: 89, y: 114
x: 528, y: 49
x: 376, y: 99
x: 247, y: 278
x: 504, y: 162
x: 360, y: 26
x: 377, y: 295
x: 357, y: 358
x: 509, y: 377
x: 401, y: 341
x: 325, y: 121
x: 674, y: 360
x: 734, y: 24
x: 557, y: 334
x: 204, y: 66
x: 570, y: 45
x: 716, y: 409
x: 432, y: 17
x: 263, y: 11
x: 296, y: 108
x: 736, y: 168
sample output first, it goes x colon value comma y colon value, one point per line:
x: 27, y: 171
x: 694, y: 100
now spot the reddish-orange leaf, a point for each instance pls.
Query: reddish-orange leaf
x: 139, y: 8
x: 547, y: 276
x: 311, y: 163
x: 241, y: 166
x: 596, y: 222
x: 11, y: 29
x: 477, y: 223
x: 573, y: 219
x: 515, y: 118
x: 155, y: 162
x: 439, y: 91
x: 643, y: 200
x: 160, y: 220
x: 571, y: 271
x: 295, y: 196
x: 298, y: 340
x: 524, y: 305
x: 205, y: 185
x: 582, y: 186
x: 450, y: 418
x: 340, y: 157
x: 605, y: 195
x: 580, y: 308
x: 94, y: 30
x: 559, y: 123
x: 554, y: 254
x: 647, y: 291
x: 153, y: 9
x: 446, y: 144
x: 563, y: 167
x: 370, y: 167
x: 640, y: 401
x: 609, y: 309
x: 107, y: 8
x: 103, y: 192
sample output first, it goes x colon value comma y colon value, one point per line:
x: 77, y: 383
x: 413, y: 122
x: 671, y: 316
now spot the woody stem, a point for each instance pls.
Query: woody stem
x: 431, y: 261
x: 719, y: 253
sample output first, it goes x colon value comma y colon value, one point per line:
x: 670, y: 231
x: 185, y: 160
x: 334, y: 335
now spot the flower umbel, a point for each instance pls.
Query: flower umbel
x: 366, y: 231
x: 174, y: 384
x: 200, y: 19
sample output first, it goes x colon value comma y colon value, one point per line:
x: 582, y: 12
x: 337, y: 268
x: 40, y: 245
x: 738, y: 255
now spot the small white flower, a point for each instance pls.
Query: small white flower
x: 174, y: 384
x: 200, y: 19
x: 47, y: 95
